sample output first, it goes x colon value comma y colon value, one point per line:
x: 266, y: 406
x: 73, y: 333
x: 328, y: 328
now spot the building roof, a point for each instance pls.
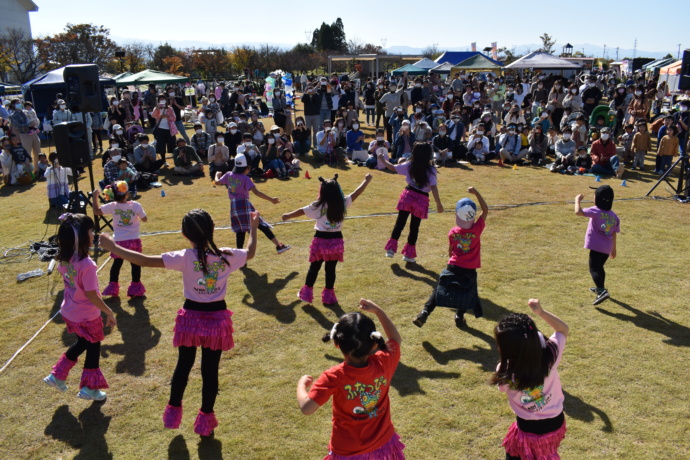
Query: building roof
x: 28, y: 5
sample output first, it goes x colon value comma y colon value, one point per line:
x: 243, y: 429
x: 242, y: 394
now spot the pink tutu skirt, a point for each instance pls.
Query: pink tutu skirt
x: 132, y: 245
x: 415, y: 203
x: 529, y: 446
x: 326, y: 249
x: 392, y: 450
x: 91, y: 330
x: 208, y: 329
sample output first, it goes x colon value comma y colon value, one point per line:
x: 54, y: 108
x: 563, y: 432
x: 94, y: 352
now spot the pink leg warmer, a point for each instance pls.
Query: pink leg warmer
x: 111, y: 290
x: 93, y: 379
x: 328, y: 297
x: 172, y: 417
x: 136, y: 290
x: 409, y: 251
x: 306, y: 294
x: 392, y: 245
x: 205, y: 423
x: 62, y: 367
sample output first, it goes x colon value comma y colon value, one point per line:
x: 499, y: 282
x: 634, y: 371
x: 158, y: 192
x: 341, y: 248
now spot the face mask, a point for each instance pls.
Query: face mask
x: 621, y: 91
x: 300, y: 124
x: 355, y: 127
x: 116, y: 158
x: 271, y: 141
x: 114, y: 146
x: 442, y: 133
x: 418, y: 110
x: 19, y: 106
x: 220, y: 140
x: 540, y: 86
x: 604, y: 137
x: 171, y: 94
x: 566, y: 137
x: 480, y: 133
x: 248, y: 143
x: 574, y: 91
x: 118, y: 132
x: 161, y: 104
x: 476, y: 106
x: 198, y: 131
x: 115, y: 103
x: 144, y: 146
x: 277, y: 93
x: 212, y: 99
x: 126, y: 96
x: 487, y: 118
x: 557, y: 86
x: 417, y: 85
x: 544, y: 115
x: 638, y: 93
x: 511, y: 132
x: 62, y: 107
x: 380, y: 86
x: 684, y: 108
x: 583, y: 155
x: 233, y: 131
x: 450, y: 96
x: 392, y: 90
x: 476, y: 94
x: 379, y: 138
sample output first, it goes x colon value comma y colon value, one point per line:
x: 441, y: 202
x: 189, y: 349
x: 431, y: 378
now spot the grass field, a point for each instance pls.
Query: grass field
x: 623, y: 372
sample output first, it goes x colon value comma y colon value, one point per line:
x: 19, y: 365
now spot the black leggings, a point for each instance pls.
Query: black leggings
x: 596, y: 267
x: 93, y: 352
x: 400, y: 225
x: 265, y: 229
x: 115, y: 271
x: 314, y: 272
x: 210, y: 359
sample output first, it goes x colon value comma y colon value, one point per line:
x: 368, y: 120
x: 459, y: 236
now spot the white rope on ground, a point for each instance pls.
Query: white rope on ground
x: 39, y: 331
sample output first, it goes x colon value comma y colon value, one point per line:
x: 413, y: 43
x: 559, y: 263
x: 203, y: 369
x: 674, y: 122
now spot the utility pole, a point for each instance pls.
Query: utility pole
x: 678, y: 55
x: 635, y: 49
x: 617, y: 53
x: 604, y: 56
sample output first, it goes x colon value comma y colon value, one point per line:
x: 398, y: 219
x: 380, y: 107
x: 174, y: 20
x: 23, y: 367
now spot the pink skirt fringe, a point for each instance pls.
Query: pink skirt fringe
x: 132, y: 245
x: 93, y: 379
x: 208, y: 329
x: 530, y: 446
x: 326, y: 249
x: 414, y: 203
x: 91, y: 330
x: 392, y: 450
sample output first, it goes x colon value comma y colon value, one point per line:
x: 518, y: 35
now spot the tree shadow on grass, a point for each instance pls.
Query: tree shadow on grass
x: 86, y: 433
x: 265, y: 295
x: 430, y: 278
x: 580, y: 410
x: 177, y: 449
x: 678, y: 335
x: 406, y: 379
x: 138, y: 336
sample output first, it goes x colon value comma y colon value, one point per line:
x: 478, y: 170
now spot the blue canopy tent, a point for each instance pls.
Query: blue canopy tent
x: 456, y: 57
x: 41, y: 90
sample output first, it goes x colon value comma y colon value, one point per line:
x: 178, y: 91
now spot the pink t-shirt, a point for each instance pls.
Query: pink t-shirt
x: 126, y: 219
x: 544, y: 401
x: 600, y: 229
x: 238, y: 185
x: 404, y: 170
x: 200, y: 287
x: 322, y: 224
x: 466, y: 245
x: 79, y: 277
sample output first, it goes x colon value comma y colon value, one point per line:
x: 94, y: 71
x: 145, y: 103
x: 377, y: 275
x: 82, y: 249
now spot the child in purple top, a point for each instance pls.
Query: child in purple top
x: 239, y: 185
x: 421, y: 178
x: 600, y: 238
x: 81, y: 308
x: 204, y: 320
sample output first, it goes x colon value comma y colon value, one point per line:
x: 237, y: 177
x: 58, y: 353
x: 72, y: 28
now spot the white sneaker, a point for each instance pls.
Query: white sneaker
x: 390, y: 254
x: 409, y: 259
x: 54, y: 382
x: 91, y: 395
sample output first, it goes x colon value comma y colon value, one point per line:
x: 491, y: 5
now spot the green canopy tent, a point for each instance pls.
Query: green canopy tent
x: 149, y: 76
x: 478, y: 63
x: 410, y: 69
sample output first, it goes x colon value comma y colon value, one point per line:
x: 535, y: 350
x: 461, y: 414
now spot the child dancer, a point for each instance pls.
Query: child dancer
x: 204, y: 320
x: 600, y: 238
x: 528, y: 375
x: 362, y: 426
x: 239, y: 185
x: 81, y: 308
x: 327, y: 246
x: 127, y: 216
x: 421, y: 178
x: 464, y: 251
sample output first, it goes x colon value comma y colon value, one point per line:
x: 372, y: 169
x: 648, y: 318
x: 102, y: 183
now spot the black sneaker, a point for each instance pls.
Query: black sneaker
x: 603, y: 295
x: 594, y: 290
x: 460, y: 321
x: 282, y: 248
x: 421, y: 318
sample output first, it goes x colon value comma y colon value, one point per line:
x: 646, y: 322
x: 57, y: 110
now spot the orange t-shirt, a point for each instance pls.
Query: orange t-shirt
x: 361, y: 408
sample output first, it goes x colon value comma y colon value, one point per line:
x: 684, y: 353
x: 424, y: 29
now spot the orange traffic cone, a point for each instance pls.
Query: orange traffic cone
x: 500, y: 162
x: 515, y: 166
x: 306, y: 175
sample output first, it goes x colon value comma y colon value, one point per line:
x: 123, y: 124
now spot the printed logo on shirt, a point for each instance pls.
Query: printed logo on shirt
x: 535, y: 396
x: 209, y: 280
x: 609, y: 223
x: 327, y: 223
x: 233, y: 183
x: 125, y: 216
x: 70, y: 275
x: 368, y: 396
x: 464, y: 241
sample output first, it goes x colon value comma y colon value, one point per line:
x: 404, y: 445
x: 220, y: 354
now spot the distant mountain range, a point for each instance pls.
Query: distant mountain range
x: 586, y: 48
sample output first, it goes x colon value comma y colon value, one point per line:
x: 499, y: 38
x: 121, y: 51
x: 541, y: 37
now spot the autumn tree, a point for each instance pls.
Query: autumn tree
x: 18, y: 55
x: 78, y: 44
x: 160, y: 53
x: 211, y: 63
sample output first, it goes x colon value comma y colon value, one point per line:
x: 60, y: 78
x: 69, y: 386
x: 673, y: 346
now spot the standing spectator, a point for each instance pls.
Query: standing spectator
x: 115, y: 112
x: 312, y: 111
x: 591, y: 95
x: 24, y: 122
x: 150, y: 98
x: 177, y: 104
x: 164, y: 130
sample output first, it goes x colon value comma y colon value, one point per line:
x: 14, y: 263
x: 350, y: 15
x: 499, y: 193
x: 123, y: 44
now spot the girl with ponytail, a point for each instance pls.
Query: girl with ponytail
x: 204, y: 320
x: 362, y: 426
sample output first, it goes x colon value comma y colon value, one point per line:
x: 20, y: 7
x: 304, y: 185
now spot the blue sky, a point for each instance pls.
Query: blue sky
x: 657, y: 25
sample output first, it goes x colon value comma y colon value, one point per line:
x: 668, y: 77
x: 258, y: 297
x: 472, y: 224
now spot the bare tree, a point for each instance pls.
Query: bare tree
x: 431, y: 52
x: 547, y: 43
x: 18, y: 55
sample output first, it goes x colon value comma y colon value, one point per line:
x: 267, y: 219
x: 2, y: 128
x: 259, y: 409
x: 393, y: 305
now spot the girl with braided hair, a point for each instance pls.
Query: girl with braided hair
x: 528, y: 375
x: 362, y: 426
x: 328, y: 246
x: 204, y: 320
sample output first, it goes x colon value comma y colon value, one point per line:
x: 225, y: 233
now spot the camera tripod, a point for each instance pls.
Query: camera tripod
x: 682, y: 189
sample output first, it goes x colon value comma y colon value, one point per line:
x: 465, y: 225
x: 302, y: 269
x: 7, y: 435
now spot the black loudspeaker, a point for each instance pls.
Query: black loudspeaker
x: 83, y: 88
x: 684, y: 83
x: 70, y: 144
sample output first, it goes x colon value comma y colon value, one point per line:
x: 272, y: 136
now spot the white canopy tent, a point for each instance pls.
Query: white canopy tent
x: 425, y: 63
x: 542, y: 60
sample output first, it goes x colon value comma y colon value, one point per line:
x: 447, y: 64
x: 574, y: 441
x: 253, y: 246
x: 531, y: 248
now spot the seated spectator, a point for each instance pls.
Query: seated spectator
x: 325, y: 139
x: 183, y: 156
x: 565, y: 152
x: 252, y: 154
x: 41, y: 166
x: 200, y: 141
x: 271, y: 157
x: 301, y: 137
x: 604, y: 159
x: 583, y: 162
x: 233, y: 139
x: 378, y: 151
x: 292, y: 164
x: 478, y: 148
x: 442, y: 146
x: 509, y: 146
x: 145, y: 156
x: 538, y: 146
x: 553, y: 137
x: 20, y: 157
x: 126, y: 174
x: 133, y: 129
x: 111, y: 170
x: 355, y: 140
x: 219, y: 157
